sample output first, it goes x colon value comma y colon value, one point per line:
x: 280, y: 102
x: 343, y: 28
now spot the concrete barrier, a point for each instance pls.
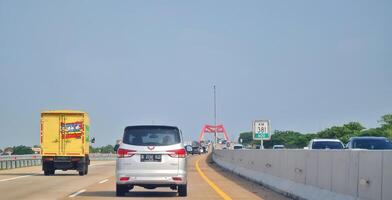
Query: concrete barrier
x: 17, y: 161
x: 315, y: 174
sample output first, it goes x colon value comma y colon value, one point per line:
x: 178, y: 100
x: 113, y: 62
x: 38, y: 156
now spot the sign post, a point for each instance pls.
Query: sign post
x: 261, y: 131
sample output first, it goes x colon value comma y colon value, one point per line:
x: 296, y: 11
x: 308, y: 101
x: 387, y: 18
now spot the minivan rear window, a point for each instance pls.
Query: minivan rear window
x: 327, y: 145
x: 151, y: 135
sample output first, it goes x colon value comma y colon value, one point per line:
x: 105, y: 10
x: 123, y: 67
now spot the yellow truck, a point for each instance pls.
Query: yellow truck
x: 65, y: 141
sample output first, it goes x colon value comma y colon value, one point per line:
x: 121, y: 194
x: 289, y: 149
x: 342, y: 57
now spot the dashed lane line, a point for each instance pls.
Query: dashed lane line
x: 103, y: 181
x: 77, y: 193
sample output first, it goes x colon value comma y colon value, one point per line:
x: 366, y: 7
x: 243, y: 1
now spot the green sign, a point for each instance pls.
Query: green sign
x: 265, y: 136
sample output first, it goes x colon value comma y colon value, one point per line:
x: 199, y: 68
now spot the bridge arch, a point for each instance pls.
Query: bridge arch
x: 211, y: 129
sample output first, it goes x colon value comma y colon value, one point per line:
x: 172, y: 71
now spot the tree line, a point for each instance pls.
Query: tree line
x: 294, y: 139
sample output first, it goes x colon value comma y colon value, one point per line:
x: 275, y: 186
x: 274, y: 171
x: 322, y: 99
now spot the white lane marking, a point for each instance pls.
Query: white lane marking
x: 103, y: 181
x: 77, y: 193
x: 18, y: 177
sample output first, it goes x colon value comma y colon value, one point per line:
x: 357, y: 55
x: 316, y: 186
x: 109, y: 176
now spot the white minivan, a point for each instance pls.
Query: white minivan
x: 151, y: 156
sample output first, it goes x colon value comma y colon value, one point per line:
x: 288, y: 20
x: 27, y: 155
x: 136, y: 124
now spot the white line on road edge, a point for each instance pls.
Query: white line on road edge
x: 77, y: 193
x: 10, y: 179
x: 103, y: 181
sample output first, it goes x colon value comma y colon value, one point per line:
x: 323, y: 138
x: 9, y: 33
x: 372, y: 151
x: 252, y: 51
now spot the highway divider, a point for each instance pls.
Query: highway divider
x: 17, y: 161
x: 315, y: 174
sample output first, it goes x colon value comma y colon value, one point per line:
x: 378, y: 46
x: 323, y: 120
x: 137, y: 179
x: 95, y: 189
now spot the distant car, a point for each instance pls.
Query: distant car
x: 325, y: 144
x: 238, y: 146
x: 370, y: 143
x: 205, y: 148
x: 278, y: 146
x: 197, y: 148
x: 189, y: 149
x: 150, y: 157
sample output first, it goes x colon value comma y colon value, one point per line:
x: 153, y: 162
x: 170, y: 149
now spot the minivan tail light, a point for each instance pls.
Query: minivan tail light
x: 124, y: 178
x: 178, y: 153
x: 125, y: 153
x: 177, y: 178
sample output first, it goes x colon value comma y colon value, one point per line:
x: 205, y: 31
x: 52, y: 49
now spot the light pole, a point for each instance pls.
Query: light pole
x: 215, y: 131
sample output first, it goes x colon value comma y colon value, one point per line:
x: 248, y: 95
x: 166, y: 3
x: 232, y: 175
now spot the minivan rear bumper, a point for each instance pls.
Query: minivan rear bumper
x: 177, y: 177
x: 151, y: 180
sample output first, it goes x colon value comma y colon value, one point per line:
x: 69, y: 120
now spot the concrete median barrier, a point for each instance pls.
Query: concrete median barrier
x: 315, y: 174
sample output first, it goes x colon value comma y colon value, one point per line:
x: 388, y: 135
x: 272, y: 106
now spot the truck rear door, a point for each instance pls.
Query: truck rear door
x: 50, y: 134
x: 72, y: 134
x: 62, y: 134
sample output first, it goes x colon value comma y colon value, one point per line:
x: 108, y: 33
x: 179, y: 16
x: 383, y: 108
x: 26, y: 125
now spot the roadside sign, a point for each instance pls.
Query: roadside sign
x: 261, y: 130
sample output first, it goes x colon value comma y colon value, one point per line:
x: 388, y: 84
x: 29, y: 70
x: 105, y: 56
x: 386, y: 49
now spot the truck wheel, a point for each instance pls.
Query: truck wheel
x: 81, y: 173
x: 86, y: 170
x: 49, y: 172
x: 182, y: 190
x: 121, y: 190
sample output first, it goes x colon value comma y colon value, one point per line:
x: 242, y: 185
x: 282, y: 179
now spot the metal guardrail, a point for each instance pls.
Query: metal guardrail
x: 17, y: 161
x: 20, y: 157
x: 103, y: 156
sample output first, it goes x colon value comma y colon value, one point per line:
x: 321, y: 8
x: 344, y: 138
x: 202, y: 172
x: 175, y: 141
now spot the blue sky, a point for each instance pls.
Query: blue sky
x: 305, y: 65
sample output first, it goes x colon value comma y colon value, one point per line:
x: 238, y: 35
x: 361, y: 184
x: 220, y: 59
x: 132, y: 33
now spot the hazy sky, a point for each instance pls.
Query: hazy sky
x: 305, y: 65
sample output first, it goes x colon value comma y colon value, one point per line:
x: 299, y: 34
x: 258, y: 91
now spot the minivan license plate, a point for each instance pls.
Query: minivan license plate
x: 150, y: 158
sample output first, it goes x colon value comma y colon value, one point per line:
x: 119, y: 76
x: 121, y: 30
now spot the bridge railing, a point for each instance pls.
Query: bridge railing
x: 17, y: 161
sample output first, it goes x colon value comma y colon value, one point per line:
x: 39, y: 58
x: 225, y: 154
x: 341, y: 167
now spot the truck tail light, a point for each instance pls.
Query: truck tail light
x: 178, y: 153
x: 48, y: 158
x: 125, y: 153
x: 75, y: 159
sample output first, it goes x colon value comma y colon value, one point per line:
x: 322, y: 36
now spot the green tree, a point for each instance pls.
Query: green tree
x: 107, y: 149
x: 377, y: 132
x: 290, y: 139
x: 386, y: 125
x: 104, y: 149
x: 386, y: 121
x: 247, y: 138
x: 342, y: 133
x: 21, y: 150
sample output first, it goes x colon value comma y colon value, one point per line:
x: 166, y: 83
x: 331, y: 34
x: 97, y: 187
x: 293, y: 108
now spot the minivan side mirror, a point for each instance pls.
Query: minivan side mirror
x: 116, y: 147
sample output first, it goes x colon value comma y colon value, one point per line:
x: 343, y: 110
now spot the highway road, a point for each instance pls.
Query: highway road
x: 205, y: 181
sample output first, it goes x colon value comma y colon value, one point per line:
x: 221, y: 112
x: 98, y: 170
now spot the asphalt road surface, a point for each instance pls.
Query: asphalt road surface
x: 205, y: 181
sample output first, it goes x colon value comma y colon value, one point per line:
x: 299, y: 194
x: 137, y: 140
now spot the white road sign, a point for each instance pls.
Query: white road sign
x: 261, y: 130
